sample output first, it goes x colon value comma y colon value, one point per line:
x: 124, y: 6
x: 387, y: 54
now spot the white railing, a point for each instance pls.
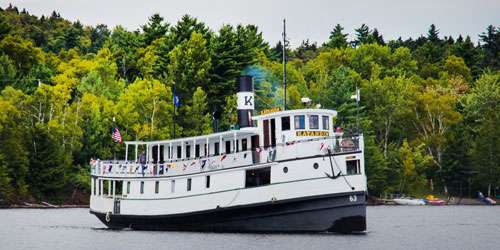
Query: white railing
x: 282, y: 151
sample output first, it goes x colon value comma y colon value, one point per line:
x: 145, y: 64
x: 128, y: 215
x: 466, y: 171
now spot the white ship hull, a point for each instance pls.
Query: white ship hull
x: 307, y: 183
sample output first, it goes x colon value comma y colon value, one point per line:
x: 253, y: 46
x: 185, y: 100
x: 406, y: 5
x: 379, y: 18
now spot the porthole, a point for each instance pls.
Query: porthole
x: 285, y: 170
x: 316, y: 165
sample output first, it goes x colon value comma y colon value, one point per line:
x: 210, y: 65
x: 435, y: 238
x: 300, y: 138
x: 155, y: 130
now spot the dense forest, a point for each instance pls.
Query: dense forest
x: 429, y: 106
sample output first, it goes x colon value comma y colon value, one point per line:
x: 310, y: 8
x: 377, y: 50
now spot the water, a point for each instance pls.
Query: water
x: 389, y: 227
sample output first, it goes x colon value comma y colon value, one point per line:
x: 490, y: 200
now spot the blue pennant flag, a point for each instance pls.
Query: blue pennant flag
x: 177, y: 101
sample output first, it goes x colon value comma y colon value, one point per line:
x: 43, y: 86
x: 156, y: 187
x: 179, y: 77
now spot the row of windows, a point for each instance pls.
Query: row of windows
x: 300, y: 122
x: 172, y: 186
x: 253, y: 178
x: 244, y: 147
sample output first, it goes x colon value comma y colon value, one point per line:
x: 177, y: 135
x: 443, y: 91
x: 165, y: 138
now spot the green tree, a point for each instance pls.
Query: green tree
x: 189, y: 65
x: 337, y: 39
x: 490, y: 43
x: 198, y: 122
x: 155, y: 28
x: 146, y: 111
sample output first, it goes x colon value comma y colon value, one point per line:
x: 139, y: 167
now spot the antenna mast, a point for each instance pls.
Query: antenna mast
x: 284, y: 61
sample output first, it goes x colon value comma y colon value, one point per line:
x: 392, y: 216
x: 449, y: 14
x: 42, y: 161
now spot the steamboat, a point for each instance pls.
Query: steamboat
x: 281, y: 171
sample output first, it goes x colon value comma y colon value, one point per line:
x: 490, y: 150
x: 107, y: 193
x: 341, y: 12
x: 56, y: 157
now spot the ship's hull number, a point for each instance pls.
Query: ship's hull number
x: 353, y: 198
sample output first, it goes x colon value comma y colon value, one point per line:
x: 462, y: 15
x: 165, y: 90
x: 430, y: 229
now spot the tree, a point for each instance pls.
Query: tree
x: 22, y: 52
x: 98, y: 36
x: 337, y: 39
x: 433, y: 34
x: 455, y: 67
x: 225, y: 67
x: 388, y: 107
x: 189, y: 65
x: 362, y: 35
x: 123, y: 46
x: 481, y: 111
x: 378, y: 38
x: 7, y: 72
x: 102, y: 79
x: 230, y: 113
x: 154, y: 29
x: 306, y: 51
x: 490, y: 43
x: 182, y: 31
x: 434, y: 115
x: 198, y: 116
x: 146, y: 111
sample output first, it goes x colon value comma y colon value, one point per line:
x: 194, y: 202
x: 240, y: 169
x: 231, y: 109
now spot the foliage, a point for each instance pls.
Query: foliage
x: 428, y: 108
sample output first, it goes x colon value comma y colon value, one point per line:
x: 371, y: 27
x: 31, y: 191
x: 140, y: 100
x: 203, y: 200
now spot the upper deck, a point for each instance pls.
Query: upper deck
x: 280, y: 135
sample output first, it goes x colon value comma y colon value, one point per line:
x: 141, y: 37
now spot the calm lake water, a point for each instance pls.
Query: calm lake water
x: 389, y: 227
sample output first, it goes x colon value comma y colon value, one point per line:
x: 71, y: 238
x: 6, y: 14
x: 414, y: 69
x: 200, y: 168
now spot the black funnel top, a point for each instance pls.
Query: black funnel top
x: 245, y: 84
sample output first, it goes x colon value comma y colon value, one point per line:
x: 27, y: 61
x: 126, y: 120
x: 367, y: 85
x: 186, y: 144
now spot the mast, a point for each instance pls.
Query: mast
x: 284, y: 62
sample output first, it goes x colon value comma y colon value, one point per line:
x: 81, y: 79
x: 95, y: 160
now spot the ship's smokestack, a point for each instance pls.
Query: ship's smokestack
x: 245, y: 101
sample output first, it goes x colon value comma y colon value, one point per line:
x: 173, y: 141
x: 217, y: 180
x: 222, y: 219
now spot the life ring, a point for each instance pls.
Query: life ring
x: 108, y: 217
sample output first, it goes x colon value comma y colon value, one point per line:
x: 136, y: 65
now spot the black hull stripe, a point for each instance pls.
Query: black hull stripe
x: 224, y: 169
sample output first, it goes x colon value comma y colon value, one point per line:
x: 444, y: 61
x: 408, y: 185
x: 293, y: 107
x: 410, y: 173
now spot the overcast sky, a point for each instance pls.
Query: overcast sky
x: 311, y: 19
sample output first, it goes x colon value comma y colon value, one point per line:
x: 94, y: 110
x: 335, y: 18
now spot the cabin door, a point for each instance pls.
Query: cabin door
x: 273, y: 132
x: 255, y: 153
x: 116, y: 207
x: 266, y: 133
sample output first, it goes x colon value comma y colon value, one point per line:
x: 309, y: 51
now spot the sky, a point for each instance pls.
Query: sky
x: 306, y: 19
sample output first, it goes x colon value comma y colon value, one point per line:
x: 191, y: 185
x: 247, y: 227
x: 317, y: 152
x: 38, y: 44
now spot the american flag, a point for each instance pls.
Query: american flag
x: 117, y: 137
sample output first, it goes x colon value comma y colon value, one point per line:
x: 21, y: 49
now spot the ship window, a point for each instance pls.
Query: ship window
x: 285, y: 123
x: 128, y: 187
x: 244, y: 144
x: 352, y: 167
x: 258, y: 177
x: 326, y: 122
x: 313, y: 122
x: 207, y: 181
x: 157, y: 187
x: 216, y: 148
x: 300, y: 122
x: 189, y: 184
x: 197, y: 150
x: 94, y: 186
x: 179, y: 152
x: 142, y: 187
x: 237, y: 146
x: 99, y: 186
x: 188, y: 151
x: 228, y: 147
x: 172, y: 187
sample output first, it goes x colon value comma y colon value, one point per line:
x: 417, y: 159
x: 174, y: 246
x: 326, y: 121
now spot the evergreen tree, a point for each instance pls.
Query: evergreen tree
x: 362, y: 35
x: 224, y: 52
x: 185, y: 27
x: 154, y: 29
x: 337, y: 39
x: 98, y: 36
x: 378, y: 37
x: 277, y: 52
x: 490, y: 42
x: 433, y: 34
x: 306, y: 51
x: 189, y: 66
